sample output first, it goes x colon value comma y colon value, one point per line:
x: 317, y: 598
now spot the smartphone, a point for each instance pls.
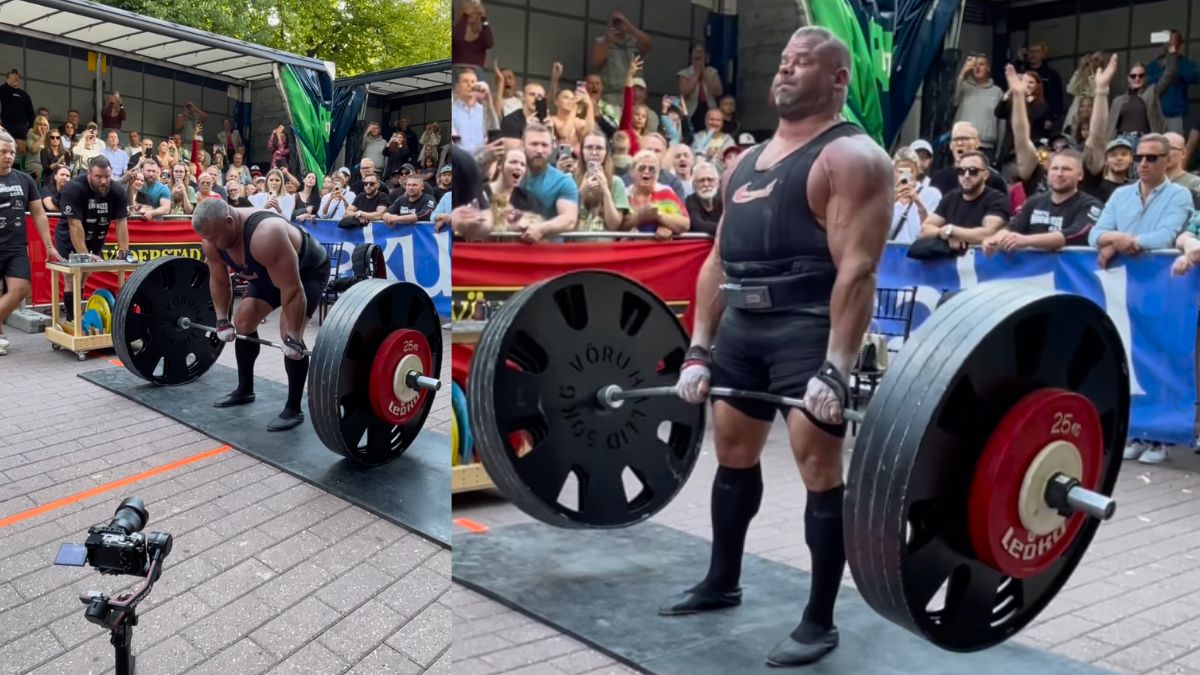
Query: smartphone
x: 540, y: 106
x: 493, y: 135
x: 1161, y: 37
x: 580, y: 85
x: 905, y: 176
x: 593, y: 167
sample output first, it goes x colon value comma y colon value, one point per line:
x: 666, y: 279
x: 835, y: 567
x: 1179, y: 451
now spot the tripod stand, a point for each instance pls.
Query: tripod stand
x: 119, y: 615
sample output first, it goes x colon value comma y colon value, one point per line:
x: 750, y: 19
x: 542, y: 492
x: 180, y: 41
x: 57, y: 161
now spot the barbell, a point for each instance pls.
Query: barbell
x: 373, y: 367
x: 984, y: 462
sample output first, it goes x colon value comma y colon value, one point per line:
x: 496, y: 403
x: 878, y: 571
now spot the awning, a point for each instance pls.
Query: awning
x: 142, y: 38
x: 418, y: 79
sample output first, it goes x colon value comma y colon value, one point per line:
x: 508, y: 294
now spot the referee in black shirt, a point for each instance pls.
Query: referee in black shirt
x: 90, y: 203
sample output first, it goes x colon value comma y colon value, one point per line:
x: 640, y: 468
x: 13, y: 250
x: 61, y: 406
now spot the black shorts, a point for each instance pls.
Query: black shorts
x: 312, y: 280
x: 776, y: 352
x: 15, y: 264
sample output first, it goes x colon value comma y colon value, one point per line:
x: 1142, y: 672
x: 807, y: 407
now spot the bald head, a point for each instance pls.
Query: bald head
x: 1177, y: 146
x: 825, y: 44
x: 964, y: 138
x: 209, y: 214
x: 813, y: 78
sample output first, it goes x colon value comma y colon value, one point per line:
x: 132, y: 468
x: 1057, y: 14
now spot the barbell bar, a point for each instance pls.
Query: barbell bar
x: 1063, y: 492
x: 413, y: 379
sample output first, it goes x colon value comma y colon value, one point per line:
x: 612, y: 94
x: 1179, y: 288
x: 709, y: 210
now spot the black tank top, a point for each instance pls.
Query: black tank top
x: 311, y: 254
x: 770, y: 232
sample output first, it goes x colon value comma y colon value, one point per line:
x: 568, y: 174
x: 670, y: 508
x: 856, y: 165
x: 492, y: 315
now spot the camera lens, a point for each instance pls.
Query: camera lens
x: 131, y: 515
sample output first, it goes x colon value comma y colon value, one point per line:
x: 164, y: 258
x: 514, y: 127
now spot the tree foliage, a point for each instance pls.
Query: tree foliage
x: 360, y: 36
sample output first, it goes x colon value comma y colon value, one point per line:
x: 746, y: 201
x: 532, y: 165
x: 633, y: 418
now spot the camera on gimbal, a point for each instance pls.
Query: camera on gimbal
x: 120, y: 547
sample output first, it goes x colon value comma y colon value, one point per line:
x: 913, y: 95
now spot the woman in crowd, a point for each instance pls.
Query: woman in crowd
x: 277, y: 144
x: 568, y: 159
x: 509, y: 201
x: 35, y: 142
x: 113, y: 115
x: 87, y: 148
x: 55, y: 152
x: 1082, y: 86
x: 704, y: 205
x: 471, y: 37
x: 397, y: 153
x: 204, y: 188
x: 632, y: 123
x: 138, y: 203
x: 183, y: 197
x: 167, y: 155
x: 431, y: 140
x: 308, y: 198
x: 428, y: 169
x: 656, y: 208
x: 1041, y: 119
x: 57, y: 177
x: 239, y: 169
x: 70, y: 135
x: 913, y: 202
x: 603, y: 201
x: 333, y: 205
x: 228, y: 138
x: 275, y: 197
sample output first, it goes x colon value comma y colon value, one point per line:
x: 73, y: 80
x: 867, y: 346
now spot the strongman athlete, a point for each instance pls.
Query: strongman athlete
x: 788, y: 291
x: 285, y: 267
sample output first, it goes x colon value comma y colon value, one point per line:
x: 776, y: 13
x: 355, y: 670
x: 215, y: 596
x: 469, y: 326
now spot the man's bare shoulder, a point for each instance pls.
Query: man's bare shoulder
x: 856, y: 158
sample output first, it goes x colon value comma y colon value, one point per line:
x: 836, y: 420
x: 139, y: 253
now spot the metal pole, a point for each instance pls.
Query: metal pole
x: 612, y: 396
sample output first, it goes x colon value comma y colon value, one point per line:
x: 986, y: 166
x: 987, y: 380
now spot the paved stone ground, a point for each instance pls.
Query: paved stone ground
x: 267, y: 572
x: 1132, y: 606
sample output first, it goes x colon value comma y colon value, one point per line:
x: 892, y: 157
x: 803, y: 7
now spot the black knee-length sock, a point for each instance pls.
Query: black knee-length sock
x: 246, y: 353
x: 823, y: 534
x: 736, y: 496
x: 297, y: 373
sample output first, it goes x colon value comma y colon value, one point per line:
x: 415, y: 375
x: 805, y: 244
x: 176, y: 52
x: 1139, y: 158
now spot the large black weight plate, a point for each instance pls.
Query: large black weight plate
x: 543, y: 438
x: 338, y: 393
x: 145, y: 328
x: 906, y: 493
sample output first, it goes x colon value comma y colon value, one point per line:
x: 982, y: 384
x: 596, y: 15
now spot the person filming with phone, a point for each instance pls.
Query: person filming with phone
x: 913, y: 203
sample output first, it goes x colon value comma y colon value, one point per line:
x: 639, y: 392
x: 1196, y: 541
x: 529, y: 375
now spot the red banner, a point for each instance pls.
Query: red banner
x: 147, y: 239
x: 486, y: 273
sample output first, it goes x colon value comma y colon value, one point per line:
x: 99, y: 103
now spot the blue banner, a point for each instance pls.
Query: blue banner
x: 1155, y: 313
x: 415, y: 253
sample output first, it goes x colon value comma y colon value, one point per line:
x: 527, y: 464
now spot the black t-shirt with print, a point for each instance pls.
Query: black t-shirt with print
x: 1073, y: 217
x: 423, y: 206
x: 17, y: 189
x: 96, y: 212
x: 946, y: 180
x: 958, y: 211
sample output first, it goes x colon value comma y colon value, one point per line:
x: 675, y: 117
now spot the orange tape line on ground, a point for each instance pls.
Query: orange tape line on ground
x: 465, y: 523
x: 116, y: 362
x: 109, y: 487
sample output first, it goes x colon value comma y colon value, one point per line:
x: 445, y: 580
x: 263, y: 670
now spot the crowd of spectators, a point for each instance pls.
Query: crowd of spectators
x: 170, y: 176
x: 1028, y: 162
x: 598, y: 156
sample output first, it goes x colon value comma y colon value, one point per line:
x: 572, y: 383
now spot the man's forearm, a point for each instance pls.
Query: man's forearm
x: 850, y: 308
x: 709, y: 303
x: 1047, y: 241
x: 78, y: 240
x: 221, y: 288
x: 123, y: 235
x: 42, y: 223
x: 564, y: 222
x: 972, y: 235
x: 293, y: 303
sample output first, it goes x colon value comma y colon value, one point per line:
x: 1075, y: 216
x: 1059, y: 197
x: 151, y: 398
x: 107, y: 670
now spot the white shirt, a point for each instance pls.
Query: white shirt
x: 287, y: 203
x: 338, y: 211
x: 910, y: 229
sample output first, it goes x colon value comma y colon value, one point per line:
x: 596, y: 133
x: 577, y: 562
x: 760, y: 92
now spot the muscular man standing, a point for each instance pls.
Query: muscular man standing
x: 18, y: 194
x: 782, y: 305
x: 285, y: 267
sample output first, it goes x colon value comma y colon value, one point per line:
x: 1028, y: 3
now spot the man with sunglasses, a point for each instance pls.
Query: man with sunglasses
x: 970, y: 213
x: 1145, y: 215
x: 782, y: 303
x: 369, y: 205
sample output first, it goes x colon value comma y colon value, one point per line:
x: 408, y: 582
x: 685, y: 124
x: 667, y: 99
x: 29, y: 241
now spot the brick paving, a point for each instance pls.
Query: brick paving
x: 1132, y: 605
x: 267, y: 572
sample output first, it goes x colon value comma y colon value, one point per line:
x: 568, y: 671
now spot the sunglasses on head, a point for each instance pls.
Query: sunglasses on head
x: 968, y: 171
x: 1151, y: 158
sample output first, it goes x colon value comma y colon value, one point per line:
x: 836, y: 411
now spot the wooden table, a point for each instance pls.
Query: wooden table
x: 468, y: 477
x: 72, y: 337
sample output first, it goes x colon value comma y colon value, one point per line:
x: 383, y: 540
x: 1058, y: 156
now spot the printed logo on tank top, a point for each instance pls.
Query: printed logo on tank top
x: 744, y: 195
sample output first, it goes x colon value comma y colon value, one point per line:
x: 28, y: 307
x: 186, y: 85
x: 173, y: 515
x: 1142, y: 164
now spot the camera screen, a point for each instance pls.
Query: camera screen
x: 74, y: 555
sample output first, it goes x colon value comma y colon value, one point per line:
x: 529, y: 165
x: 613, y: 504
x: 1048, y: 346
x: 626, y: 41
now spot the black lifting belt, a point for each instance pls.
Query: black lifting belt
x: 775, y: 293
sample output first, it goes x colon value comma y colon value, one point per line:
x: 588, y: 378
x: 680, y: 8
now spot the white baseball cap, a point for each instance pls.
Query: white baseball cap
x: 921, y: 145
